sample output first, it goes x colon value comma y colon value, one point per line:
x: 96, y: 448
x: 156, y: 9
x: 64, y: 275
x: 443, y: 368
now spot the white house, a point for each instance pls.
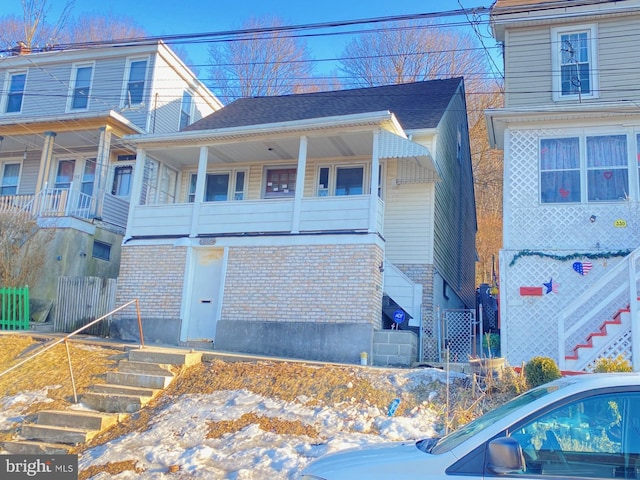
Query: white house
x: 300, y: 225
x: 570, y: 131
x: 63, y: 115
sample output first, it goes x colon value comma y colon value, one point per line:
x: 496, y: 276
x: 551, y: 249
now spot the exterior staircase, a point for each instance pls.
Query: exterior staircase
x: 143, y: 375
x: 600, y: 343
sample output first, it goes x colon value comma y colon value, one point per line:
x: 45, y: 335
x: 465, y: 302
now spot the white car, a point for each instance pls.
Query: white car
x: 584, y: 426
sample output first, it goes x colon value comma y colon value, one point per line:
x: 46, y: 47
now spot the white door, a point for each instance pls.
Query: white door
x: 205, y: 294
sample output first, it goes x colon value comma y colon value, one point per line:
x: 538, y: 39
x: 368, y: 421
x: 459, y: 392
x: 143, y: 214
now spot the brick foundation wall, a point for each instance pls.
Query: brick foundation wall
x: 310, y: 283
x: 154, y: 274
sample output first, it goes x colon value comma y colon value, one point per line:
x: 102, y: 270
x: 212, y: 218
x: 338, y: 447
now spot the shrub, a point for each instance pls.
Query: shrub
x: 541, y: 370
x: 618, y: 364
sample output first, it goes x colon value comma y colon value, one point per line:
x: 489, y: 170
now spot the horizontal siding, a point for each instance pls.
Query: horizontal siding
x: 528, y: 66
x: 408, y: 216
x: 619, y: 73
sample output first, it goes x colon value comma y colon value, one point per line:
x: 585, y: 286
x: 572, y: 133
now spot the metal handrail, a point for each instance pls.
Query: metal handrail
x: 68, y: 336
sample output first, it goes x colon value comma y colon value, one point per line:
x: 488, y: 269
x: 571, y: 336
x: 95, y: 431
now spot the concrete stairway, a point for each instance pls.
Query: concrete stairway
x: 139, y: 378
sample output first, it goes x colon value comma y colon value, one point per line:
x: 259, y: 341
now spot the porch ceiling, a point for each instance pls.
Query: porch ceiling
x: 265, y: 149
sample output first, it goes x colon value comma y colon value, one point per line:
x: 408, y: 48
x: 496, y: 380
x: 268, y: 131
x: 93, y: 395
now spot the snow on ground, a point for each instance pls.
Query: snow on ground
x: 178, y: 434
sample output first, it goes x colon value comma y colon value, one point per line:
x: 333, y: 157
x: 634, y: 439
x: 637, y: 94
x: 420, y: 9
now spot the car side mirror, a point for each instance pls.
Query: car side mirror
x: 505, y: 456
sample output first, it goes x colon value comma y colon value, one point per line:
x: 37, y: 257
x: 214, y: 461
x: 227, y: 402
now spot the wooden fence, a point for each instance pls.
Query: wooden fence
x: 14, y: 308
x: 82, y: 300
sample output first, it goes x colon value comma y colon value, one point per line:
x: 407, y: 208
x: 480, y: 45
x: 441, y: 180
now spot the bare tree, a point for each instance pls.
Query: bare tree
x: 261, y: 62
x: 23, y: 248
x: 92, y: 27
x: 34, y: 28
x: 412, y: 51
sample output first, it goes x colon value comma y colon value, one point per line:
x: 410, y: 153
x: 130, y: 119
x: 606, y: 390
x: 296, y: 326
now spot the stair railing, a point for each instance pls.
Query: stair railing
x: 612, y: 287
x: 66, y: 338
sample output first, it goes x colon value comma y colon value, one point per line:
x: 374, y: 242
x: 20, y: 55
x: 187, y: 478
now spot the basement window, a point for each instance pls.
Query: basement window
x: 101, y: 250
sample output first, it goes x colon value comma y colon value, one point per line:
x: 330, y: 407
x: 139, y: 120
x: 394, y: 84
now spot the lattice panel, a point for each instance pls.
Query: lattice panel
x: 529, y: 323
x: 527, y: 221
x: 430, y: 350
x: 621, y: 346
x: 457, y: 334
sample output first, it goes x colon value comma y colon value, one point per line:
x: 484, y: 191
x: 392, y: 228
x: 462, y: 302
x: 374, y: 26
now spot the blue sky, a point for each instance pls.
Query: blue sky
x: 164, y: 17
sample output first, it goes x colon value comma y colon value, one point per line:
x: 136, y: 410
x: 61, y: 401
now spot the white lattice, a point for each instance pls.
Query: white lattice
x: 531, y: 225
x: 620, y: 347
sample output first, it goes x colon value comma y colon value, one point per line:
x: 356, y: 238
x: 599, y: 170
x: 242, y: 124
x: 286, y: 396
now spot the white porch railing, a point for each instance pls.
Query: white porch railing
x: 254, y: 216
x: 61, y: 202
x: 616, y: 290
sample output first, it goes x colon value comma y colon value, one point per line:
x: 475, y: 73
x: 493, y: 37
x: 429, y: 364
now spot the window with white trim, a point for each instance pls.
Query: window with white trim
x: 587, y: 168
x: 135, y: 82
x: 280, y: 182
x: 340, y: 180
x: 10, y: 178
x: 220, y: 186
x: 186, y: 110
x: 16, y: 82
x: 574, y: 62
x: 81, y: 87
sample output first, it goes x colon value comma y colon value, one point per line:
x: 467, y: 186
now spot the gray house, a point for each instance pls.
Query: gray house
x: 63, y: 116
x: 306, y: 225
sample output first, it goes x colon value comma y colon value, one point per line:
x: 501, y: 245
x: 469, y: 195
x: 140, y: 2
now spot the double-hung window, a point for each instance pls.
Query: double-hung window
x: 16, y: 83
x: 135, y: 84
x: 81, y: 83
x: 589, y: 168
x: 574, y: 63
x: 186, y: 108
x: 10, y: 178
x: 220, y: 186
x: 340, y: 180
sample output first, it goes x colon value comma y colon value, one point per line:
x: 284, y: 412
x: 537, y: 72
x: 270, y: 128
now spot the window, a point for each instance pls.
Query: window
x: 10, y: 177
x: 88, y: 176
x: 122, y: 181
x: 185, y: 110
x: 560, y: 170
x: 574, y: 57
x: 135, y: 82
x: 149, y: 182
x: 349, y: 180
x: 168, y: 185
x: 596, y: 437
x: 594, y: 168
x: 64, y: 176
x: 15, y: 92
x: 280, y: 182
x: 81, y: 86
x: 101, y: 250
x: 340, y: 181
x: 218, y: 186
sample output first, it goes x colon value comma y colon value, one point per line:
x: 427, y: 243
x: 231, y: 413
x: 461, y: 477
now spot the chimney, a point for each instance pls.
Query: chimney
x: 22, y: 49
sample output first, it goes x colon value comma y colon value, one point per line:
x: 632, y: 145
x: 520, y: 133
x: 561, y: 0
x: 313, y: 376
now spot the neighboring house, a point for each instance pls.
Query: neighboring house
x: 62, y: 157
x: 298, y: 225
x: 570, y: 130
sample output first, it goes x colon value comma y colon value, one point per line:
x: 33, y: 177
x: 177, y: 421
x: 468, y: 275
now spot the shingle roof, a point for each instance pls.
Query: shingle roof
x: 544, y: 3
x: 415, y: 105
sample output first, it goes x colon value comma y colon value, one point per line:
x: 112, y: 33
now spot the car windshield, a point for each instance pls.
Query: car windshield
x: 458, y: 436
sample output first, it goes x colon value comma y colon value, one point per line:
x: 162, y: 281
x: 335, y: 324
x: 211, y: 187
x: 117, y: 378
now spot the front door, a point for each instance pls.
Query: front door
x: 205, y: 294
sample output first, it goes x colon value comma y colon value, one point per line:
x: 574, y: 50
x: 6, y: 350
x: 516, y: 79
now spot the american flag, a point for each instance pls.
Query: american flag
x: 582, y: 267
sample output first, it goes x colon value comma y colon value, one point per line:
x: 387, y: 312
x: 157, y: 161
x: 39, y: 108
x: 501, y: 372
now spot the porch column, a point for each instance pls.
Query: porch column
x: 199, y: 195
x: 375, y: 178
x: 45, y: 160
x: 102, y: 169
x: 297, y: 201
x: 136, y: 188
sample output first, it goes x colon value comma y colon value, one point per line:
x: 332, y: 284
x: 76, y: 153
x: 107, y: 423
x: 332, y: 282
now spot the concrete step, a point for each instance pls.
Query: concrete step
x: 165, y: 356
x: 76, y: 419
x: 114, y: 403
x: 129, y: 366
x: 124, y: 390
x: 139, y: 380
x: 47, y: 433
x: 29, y: 447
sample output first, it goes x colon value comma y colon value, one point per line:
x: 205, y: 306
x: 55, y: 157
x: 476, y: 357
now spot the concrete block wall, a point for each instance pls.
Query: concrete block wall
x: 397, y: 348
